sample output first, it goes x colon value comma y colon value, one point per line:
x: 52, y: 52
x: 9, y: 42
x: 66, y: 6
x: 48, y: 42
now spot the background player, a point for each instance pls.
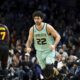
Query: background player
x: 4, y: 46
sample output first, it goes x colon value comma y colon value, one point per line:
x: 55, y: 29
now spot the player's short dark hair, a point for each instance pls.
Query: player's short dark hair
x: 38, y: 13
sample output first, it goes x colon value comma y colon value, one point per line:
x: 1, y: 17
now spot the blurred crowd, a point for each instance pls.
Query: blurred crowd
x: 63, y: 15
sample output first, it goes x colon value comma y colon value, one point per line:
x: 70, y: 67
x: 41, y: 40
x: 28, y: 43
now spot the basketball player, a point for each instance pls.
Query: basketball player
x: 46, y: 39
x: 4, y: 46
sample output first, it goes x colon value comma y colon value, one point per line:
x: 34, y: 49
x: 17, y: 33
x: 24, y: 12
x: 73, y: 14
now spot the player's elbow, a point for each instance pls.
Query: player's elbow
x: 58, y: 37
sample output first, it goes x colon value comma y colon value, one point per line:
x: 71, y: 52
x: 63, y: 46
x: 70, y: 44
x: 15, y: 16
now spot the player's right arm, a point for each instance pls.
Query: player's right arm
x: 30, y: 40
x: 8, y: 34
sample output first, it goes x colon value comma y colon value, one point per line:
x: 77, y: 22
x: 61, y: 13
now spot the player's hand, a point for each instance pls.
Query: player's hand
x: 29, y: 50
x: 52, y: 47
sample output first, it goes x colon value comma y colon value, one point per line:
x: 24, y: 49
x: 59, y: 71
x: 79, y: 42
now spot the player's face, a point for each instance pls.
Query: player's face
x: 37, y: 20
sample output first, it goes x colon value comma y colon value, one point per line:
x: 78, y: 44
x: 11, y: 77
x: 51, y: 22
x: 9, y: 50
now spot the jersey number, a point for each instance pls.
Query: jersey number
x: 41, y: 41
x: 2, y: 34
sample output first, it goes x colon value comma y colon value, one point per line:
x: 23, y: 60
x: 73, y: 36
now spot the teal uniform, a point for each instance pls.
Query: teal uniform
x: 42, y: 42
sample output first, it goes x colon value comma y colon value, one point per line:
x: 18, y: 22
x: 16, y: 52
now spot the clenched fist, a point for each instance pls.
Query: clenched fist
x: 52, y: 47
x: 29, y: 50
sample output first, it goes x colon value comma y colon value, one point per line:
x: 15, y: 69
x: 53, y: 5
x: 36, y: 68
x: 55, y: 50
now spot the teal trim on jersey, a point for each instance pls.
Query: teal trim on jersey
x: 42, y: 40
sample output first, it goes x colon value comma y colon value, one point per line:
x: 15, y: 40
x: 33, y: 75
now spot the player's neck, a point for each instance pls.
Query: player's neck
x: 40, y: 26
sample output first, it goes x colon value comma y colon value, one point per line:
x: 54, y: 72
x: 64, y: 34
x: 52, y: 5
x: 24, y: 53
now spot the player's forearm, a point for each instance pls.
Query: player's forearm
x: 57, y: 40
x: 28, y: 44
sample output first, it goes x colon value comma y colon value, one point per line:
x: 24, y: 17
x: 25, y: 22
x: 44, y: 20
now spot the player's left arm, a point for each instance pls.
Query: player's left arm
x: 55, y: 34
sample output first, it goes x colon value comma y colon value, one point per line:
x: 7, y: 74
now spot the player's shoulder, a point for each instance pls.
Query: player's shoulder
x: 3, y: 26
x: 32, y: 28
x: 49, y: 26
